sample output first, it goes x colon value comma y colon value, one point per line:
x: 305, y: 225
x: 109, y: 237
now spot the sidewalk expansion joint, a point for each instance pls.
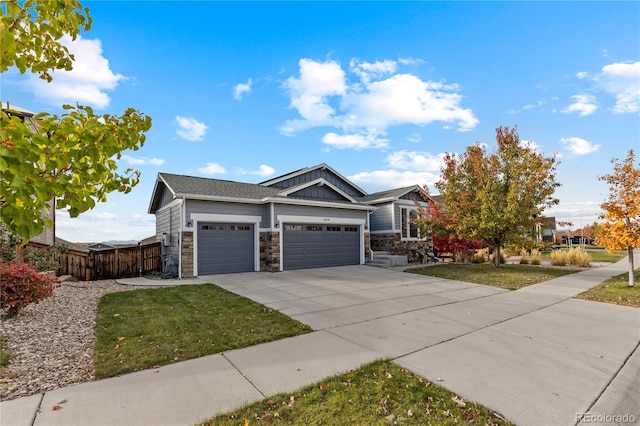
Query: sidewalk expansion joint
x: 481, y: 328
x: 637, y: 347
x: 35, y: 414
x: 243, y: 375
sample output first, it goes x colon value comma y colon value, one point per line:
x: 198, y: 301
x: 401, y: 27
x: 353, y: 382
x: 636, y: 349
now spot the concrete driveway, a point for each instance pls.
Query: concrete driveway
x: 535, y: 355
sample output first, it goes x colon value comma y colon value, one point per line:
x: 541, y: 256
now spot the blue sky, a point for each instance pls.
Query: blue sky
x: 379, y: 91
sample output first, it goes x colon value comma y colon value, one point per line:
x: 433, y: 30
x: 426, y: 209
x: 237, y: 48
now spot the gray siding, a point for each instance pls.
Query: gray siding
x: 318, y: 193
x: 209, y: 207
x: 381, y: 218
x: 286, y: 209
x: 412, y: 196
x: 317, y: 174
x: 165, y: 196
x: 168, y: 220
x: 47, y: 236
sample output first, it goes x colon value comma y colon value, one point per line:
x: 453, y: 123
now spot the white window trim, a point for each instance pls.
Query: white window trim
x: 282, y: 218
x: 225, y: 218
x: 409, y: 209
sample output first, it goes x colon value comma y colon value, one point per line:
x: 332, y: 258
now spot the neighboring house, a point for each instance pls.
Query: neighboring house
x: 545, y: 231
x: 311, y: 217
x: 47, y: 238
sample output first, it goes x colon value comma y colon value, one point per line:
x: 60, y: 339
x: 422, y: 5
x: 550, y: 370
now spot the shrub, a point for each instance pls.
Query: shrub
x: 480, y: 256
x: 559, y: 258
x: 22, y: 285
x: 524, y: 256
x: 535, y: 257
x: 578, y: 257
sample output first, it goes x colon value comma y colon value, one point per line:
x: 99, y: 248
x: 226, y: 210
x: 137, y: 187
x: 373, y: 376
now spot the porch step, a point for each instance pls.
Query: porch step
x: 388, y: 260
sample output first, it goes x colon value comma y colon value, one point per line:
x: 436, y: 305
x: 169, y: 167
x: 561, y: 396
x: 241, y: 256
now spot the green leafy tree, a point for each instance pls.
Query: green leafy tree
x: 495, y: 197
x: 621, y: 228
x: 71, y: 158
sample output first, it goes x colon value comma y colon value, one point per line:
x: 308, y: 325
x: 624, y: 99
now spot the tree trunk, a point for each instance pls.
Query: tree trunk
x: 632, y: 278
x: 496, y: 256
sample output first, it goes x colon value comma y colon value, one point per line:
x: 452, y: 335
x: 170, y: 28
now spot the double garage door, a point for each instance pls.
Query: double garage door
x: 230, y: 247
x: 313, y: 246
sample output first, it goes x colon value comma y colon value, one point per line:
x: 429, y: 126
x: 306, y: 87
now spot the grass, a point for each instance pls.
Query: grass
x: 509, y: 277
x: 380, y: 393
x: 615, y: 290
x: 603, y: 256
x: 141, y: 329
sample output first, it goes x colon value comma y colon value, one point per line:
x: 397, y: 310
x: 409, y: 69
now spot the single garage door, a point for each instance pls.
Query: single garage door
x: 314, y: 246
x: 225, y: 247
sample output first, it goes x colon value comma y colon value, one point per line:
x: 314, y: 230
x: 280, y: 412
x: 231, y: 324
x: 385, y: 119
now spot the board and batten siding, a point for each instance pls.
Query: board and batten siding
x: 317, y: 174
x: 318, y: 193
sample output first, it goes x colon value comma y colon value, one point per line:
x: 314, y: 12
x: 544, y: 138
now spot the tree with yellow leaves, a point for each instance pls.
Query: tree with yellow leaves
x: 621, y: 227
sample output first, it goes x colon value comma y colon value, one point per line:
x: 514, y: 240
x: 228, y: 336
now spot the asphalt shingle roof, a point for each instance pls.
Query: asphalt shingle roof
x: 216, y: 187
x: 390, y: 193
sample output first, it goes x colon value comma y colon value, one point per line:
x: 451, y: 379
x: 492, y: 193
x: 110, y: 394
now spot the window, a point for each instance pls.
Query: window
x: 240, y: 227
x: 314, y: 228
x: 293, y: 227
x: 212, y: 227
x: 350, y: 229
x: 334, y: 228
x: 409, y: 227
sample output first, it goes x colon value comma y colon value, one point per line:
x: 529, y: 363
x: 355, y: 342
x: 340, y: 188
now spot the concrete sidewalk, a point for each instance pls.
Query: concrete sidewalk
x: 535, y: 355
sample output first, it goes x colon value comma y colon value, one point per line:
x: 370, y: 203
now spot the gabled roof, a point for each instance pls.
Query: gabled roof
x: 181, y: 185
x: 299, y: 172
x: 198, y: 188
x: 391, y: 194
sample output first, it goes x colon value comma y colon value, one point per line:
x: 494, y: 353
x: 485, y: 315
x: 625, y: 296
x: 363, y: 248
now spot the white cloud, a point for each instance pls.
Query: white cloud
x: 263, y: 171
x: 622, y: 79
x: 416, y: 161
x: 354, y: 141
x: 381, y: 180
x: 309, y: 93
x: 367, y: 70
x: 143, y: 161
x: 212, y: 169
x: 381, y: 97
x: 406, y: 168
x: 240, y: 89
x: 579, y: 146
x: 531, y: 144
x: 414, y: 137
x: 583, y: 105
x: 582, y: 74
x: 410, y: 61
x: 190, y: 128
x: 88, y: 81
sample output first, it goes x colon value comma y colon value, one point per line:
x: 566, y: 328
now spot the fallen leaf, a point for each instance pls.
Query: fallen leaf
x: 56, y: 407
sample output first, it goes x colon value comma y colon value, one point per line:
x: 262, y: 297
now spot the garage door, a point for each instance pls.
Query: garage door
x: 313, y: 246
x: 225, y: 247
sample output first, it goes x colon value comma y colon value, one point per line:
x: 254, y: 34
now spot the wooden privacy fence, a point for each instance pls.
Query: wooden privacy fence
x: 122, y: 262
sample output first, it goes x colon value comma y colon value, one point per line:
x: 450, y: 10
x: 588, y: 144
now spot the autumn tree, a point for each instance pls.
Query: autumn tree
x: 71, y: 158
x: 432, y: 221
x: 621, y: 227
x: 493, y: 197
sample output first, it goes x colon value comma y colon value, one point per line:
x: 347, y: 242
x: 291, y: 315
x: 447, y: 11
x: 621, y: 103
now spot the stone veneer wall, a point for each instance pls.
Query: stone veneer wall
x: 367, y: 246
x: 270, y: 251
x: 393, y: 243
x: 187, y: 255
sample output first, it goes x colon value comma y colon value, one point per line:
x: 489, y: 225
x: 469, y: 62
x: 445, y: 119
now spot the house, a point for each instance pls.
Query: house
x: 311, y: 217
x: 48, y: 236
x: 545, y: 230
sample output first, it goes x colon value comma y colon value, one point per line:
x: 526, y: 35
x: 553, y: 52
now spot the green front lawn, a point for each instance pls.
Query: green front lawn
x: 510, y: 277
x: 381, y: 393
x: 144, y: 328
x: 615, y: 290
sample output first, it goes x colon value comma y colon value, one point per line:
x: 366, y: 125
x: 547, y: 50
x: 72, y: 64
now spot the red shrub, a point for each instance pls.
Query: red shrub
x: 21, y: 285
